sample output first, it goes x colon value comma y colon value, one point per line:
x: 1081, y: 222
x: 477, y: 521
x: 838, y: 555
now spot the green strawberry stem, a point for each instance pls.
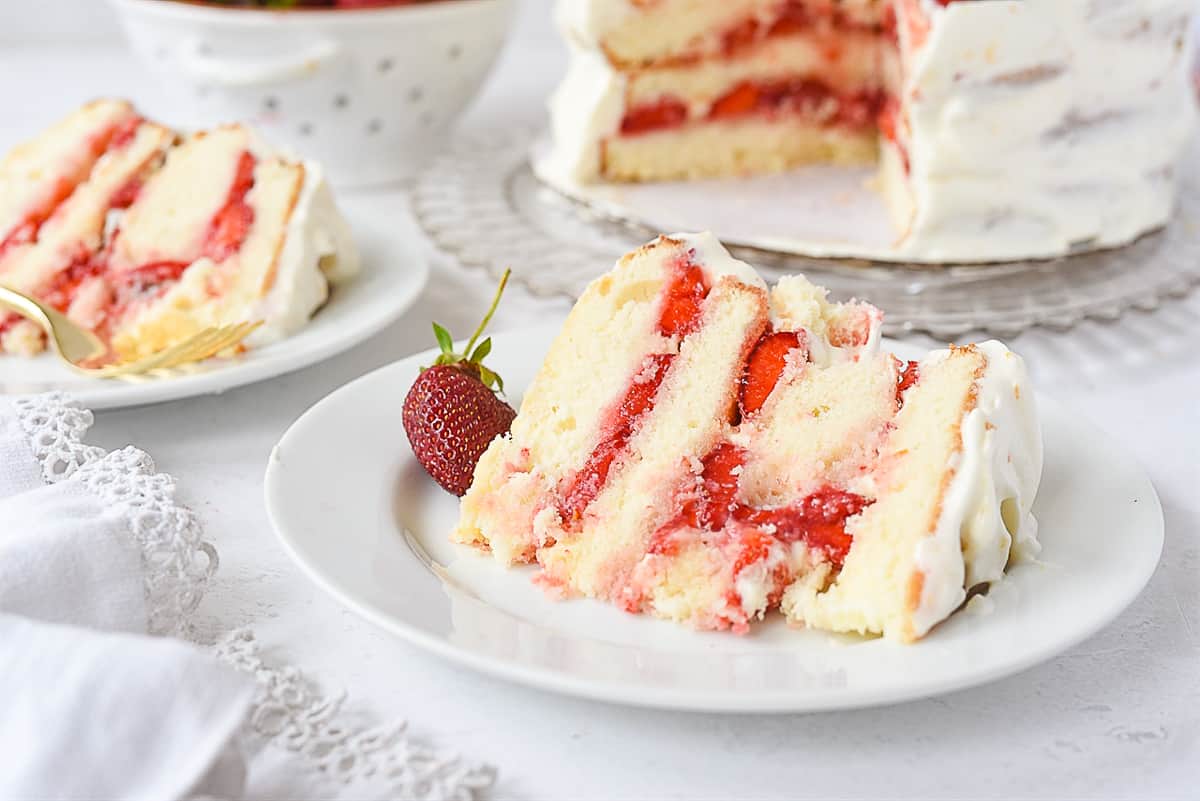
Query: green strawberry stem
x: 471, y: 359
x: 487, y: 318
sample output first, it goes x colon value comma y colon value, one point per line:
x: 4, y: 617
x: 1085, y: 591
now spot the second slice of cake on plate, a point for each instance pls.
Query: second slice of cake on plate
x: 147, y: 237
x: 703, y: 449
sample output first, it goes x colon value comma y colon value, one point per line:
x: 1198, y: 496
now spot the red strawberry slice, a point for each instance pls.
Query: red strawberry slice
x: 819, y: 520
x: 232, y: 222
x: 666, y: 113
x: 908, y: 378
x: 719, y: 487
x: 765, y: 366
x: 683, y: 298
x: 739, y: 101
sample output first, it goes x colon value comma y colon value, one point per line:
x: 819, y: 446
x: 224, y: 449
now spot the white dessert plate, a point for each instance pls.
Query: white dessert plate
x: 394, y: 271
x: 375, y: 538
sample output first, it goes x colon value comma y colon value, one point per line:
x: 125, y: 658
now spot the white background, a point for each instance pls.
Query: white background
x: 1118, y: 717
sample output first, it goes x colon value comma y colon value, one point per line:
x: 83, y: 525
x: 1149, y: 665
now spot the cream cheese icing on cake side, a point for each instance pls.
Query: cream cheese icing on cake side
x: 1004, y: 129
x: 147, y: 237
x: 703, y: 450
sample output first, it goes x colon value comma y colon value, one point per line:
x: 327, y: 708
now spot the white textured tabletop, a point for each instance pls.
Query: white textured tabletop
x: 1117, y: 717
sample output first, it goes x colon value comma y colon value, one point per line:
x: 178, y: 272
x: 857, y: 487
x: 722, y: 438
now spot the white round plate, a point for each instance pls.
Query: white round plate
x: 375, y: 538
x: 394, y: 271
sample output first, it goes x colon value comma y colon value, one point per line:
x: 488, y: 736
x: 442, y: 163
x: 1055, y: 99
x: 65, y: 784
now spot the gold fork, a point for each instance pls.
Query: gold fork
x: 77, y: 346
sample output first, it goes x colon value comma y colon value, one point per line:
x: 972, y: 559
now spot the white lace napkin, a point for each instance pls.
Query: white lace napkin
x: 96, y: 556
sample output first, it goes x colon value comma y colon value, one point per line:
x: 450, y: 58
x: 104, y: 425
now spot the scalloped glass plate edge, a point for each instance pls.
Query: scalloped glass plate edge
x: 480, y: 202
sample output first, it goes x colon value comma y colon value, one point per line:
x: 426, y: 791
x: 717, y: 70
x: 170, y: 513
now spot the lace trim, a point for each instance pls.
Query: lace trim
x: 288, y: 711
x: 178, y: 563
x: 55, y: 425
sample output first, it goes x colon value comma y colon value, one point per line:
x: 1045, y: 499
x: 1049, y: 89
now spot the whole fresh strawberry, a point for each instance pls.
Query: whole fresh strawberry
x: 452, y: 411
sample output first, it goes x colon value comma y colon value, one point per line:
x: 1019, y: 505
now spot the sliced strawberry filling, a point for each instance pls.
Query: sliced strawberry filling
x: 667, y: 113
x: 818, y: 520
x: 614, y: 440
x: 680, y: 315
x: 792, y: 16
x: 232, y: 222
x: 910, y: 376
x: 751, y: 534
x: 148, y: 276
x: 26, y: 229
x: 765, y: 367
x: 709, y: 509
x: 124, y: 197
x: 66, y: 282
x: 804, y: 97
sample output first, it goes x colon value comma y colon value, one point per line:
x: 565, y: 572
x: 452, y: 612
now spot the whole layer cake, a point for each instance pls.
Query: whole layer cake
x: 147, y: 237
x: 703, y: 449
x: 1003, y: 128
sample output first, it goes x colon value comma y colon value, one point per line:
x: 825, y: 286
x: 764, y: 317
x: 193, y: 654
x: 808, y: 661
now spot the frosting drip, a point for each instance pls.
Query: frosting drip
x: 986, y: 521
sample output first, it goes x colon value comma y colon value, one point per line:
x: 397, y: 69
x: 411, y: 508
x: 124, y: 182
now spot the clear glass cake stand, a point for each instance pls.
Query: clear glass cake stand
x: 481, y: 202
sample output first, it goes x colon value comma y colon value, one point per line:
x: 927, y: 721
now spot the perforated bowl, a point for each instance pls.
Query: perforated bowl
x: 370, y: 93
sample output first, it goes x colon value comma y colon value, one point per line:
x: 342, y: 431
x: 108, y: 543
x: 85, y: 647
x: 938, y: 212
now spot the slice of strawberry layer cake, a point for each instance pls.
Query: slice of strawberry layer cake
x: 702, y: 448
x: 147, y: 238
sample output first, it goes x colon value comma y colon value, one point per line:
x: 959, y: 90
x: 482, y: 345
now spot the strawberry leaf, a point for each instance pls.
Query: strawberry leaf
x: 490, y: 379
x: 472, y: 356
x: 481, y: 352
x: 445, y: 342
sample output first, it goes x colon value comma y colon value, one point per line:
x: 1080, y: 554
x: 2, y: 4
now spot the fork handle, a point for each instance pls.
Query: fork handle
x: 23, y: 305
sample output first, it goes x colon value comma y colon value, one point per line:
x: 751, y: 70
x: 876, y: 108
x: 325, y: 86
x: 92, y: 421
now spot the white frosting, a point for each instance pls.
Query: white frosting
x: 586, y: 108
x: 1035, y: 127
x: 318, y: 248
x: 717, y: 261
x: 986, y: 520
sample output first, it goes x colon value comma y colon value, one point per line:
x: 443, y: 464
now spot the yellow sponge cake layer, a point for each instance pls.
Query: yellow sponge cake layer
x: 743, y: 147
